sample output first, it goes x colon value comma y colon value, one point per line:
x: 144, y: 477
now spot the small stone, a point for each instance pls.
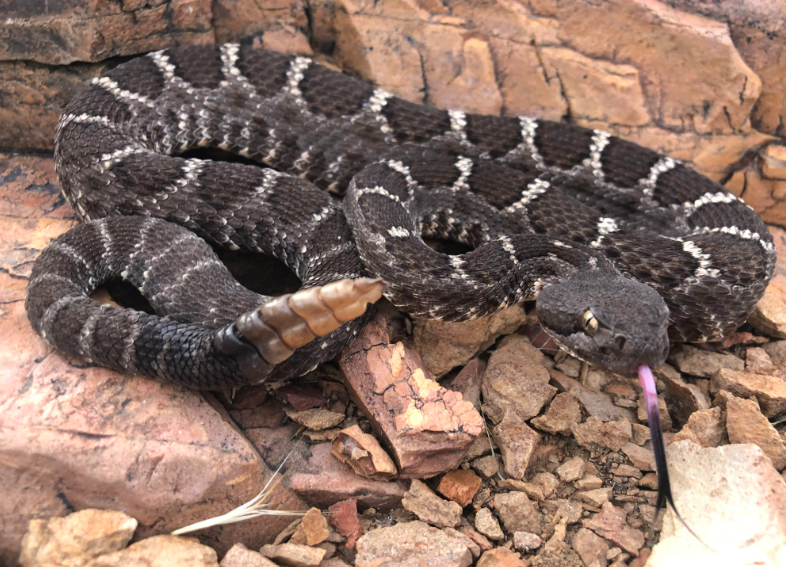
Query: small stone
x: 758, y: 361
x: 240, y: 556
x: 769, y: 317
x: 526, y: 542
x: 595, y: 433
x: 572, y: 469
x: 683, y: 398
x: 596, y: 497
x: 611, y: 524
x: 429, y: 507
x: 777, y: 352
x: 500, y: 557
x: 482, y: 445
x: 597, y: 404
x: 704, y: 428
x: 563, y: 411
x: 486, y: 466
x: 534, y: 491
x: 515, y: 381
x: 301, y: 397
x: 517, y: 441
x: 473, y: 547
x: 641, y: 434
x: 665, y: 418
x: 487, y: 524
x: 642, y: 458
x: 293, y: 555
x: 518, y: 513
x: 76, y: 538
x: 460, y: 486
x: 569, y: 367
x: 312, y: 530
x: 411, y: 543
x: 649, y: 480
x: 590, y: 547
x: 363, y: 453
x: 746, y: 424
x: 589, y: 482
x: 478, y: 538
x: 344, y: 518
x: 548, y: 483
x: 315, y: 418
x: 770, y: 391
x: 570, y: 511
x: 702, y: 363
x: 627, y: 471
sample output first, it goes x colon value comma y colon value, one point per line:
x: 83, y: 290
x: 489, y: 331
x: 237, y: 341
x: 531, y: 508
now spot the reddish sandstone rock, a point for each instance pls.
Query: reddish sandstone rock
x: 312, y: 529
x: 363, y: 453
x: 428, y: 428
x: 563, y: 411
x: 593, y: 432
x: 344, y: 517
x: 241, y: 556
x: 293, y: 554
x: 460, y: 486
x: 500, y: 557
x: 517, y: 442
x: 430, y: 508
x: 770, y: 391
x: 704, y: 428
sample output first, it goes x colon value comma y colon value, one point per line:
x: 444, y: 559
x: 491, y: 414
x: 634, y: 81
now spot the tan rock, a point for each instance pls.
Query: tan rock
x: 488, y: 525
x: 411, y: 542
x: 758, y: 361
x: 500, y: 557
x: 588, y: 482
x: 473, y: 547
x: 240, y: 556
x: 611, y: 524
x: 596, y: 497
x: 444, y: 346
x: 770, y: 314
x: 344, y: 517
x: 76, y: 539
x: 593, y: 432
x: 777, y: 352
x: 547, y: 482
x: 518, y: 513
x: 663, y: 412
x: 746, y: 424
x: 517, y: 441
x: 160, y: 550
x: 590, y: 547
x: 429, y: 507
x: 770, y: 391
x: 704, y: 428
x: 487, y: 466
x: 534, y: 491
x: 563, y: 411
x: 427, y: 427
x: 572, y: 469
x: 293, y: 555
x: 363, y: 453
x: 597, y: 404
x: 316, y: 418
x: 460, y: 486
x: 642, y: 458
x: 730, y: 496
x: 477, y: 538
x: 570, y: 511
x: 312, y: 530
x: 525, y: 542
x: 515, y: 381
x: 703, y: 363
x: 684, y: 398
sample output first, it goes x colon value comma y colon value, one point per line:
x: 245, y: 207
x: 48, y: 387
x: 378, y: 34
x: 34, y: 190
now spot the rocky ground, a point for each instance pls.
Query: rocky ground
x: 424, y: 443
x: 453, y: 443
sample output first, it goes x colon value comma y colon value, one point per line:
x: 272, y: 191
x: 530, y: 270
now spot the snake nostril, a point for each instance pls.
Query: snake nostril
x: 620, y: 341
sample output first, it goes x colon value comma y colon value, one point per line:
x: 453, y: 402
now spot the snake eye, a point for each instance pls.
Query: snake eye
x: 589, y: 322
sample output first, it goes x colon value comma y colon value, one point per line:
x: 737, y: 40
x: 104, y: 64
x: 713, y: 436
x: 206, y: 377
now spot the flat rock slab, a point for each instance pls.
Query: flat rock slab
x: 73, y: 436
x: 412, y: 543
x: 731, y: 496
x: 428, y: 427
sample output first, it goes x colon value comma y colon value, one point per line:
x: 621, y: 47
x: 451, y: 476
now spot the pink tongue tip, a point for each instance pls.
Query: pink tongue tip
x: 648, y: 385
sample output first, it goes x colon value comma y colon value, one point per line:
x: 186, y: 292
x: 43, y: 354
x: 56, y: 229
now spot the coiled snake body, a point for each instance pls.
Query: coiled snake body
x: 573, y: 217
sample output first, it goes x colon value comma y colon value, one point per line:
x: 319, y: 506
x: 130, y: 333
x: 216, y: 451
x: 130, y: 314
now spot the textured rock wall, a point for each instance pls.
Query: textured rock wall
x: 702, y: 81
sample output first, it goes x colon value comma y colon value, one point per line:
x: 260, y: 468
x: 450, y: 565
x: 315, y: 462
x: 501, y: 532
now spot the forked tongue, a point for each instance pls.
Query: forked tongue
x: 658, y: 446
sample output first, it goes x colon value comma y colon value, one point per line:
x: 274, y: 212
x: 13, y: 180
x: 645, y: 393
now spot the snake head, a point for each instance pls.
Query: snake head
x: 607, y: 319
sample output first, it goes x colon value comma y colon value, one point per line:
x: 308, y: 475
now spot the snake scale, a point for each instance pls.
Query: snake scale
x: 623, y: 249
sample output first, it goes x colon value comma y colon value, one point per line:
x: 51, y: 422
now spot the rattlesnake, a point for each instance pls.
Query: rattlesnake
x: 573, y: 217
